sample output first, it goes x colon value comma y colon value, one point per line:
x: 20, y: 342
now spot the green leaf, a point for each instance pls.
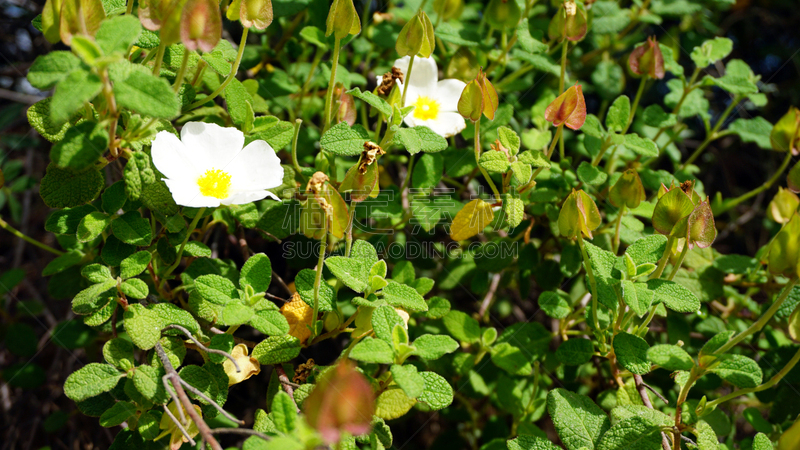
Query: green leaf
x: 674, y: 296
x: 462, y: 327
x: 528, y: 442
x: 591, y: 175
x: 631, y: 351
x: 270, y: 322
x: 66, y: 188
x: 609, y: 18
x: 419, y: 139
x: 143, y: 326
x: 256, y: 273
x: 577, y: 419
x: 575, y: 352
x: 62, y: 263
x: 372, y: 350
x: 527, y: 41
x: 94, y: 297
x: 740, y: 371
x: 640, y: 145
x: 284, y: 412
x: 494, y: 162
x: 117, y: 34
x: 304, y: 282
x: 119, y: 353
x: 120, y: 412
x: 434, y: 346
x: 656, y: 117
x: 637, y: 297
x: 670, y: 357
x: 408, y: 379
x: 437, y: 393
x: 511, y: 359
x: 756, y: 131
x: 40, y: 119
x: 91, y: 380
x: 240, y: 105
x: 509, y: 139
x: 383, y: 320
x: 521, y: 173
x: 711, y: 51
x: 353, y: 272
x: 147, y: 95
x: 92, y: 225
x: 114, y: 197
x: 619, y: 113
x: 633, y: 433
x: 555, y: 304
x: 202, y: 380
x: 215, y: 289
x: 72, y: 93
x: 693, y: 105
x: 609, y: 80
x: 707, y: 438
x: 428, y: 171
x: 224, y: 342
x: 403, y: 296
x: 656, y: 417
x: 760, y: 442
x: 437, y: 308
x: 371, y: 99
x: 343, y: 140
x: 47, y: 70
x: 133, y: 229
x: 647, y: 250
x: 514, y: 210
x: 135, y: 288
x: 393, y: 403
x: 536, y: 158
x: 236, y: 313
x: 134, y: 264
x: 277, y: 349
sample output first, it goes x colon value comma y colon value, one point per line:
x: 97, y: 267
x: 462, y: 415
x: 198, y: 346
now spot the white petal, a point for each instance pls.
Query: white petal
x: 448, y: 92
x: 187, y: 193
x: 424, y: 76
x: 171, y: 157
x: 446, y: 125
x: 410, y: 121
x: 211, y: 146
x: 243, y: 197
x: 255, y: 167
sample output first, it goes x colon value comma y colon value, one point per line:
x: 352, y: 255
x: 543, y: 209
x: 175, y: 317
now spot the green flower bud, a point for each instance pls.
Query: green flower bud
x: 252, y: 13
x: 793, y: 179
x: 783, y: 206
x: 674, y: 205
x: 51, y: 20
x: 628, y: 190
x: 502, y: 14
x: 448, y: 9
x: 201, y: 25
x: 361, y: 181
x: 785, y: 135
x: 342, y: 19
x: 479, y: 96
x: 416, y: 37
x: 80, y: 17
x: 463, y: 65
x: 578, y: 216
x: 784, y: 252
x: 698, y: 228
x: 570, y: 22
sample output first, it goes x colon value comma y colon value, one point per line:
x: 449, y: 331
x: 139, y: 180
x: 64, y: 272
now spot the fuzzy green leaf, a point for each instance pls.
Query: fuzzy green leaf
x: 631, y: 352
x: 577, y: 419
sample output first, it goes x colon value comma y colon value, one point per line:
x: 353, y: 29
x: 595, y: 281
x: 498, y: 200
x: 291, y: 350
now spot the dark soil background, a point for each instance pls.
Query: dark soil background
x: 49, y: 345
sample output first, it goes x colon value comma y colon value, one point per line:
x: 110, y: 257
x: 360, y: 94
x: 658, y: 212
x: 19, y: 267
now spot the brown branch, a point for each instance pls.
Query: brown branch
x: 640, y: 386
x: 166, y: 380
x: 287, y: 385
x: 487, y: 300
x: 178, y: 424
x: 202, y: 427
x: 203, y: 347
x: 238, y: 340
x: 198, y: 393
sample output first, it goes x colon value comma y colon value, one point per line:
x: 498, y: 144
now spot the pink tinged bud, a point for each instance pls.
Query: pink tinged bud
x: 568, y: 109
x: 647, y: 60
x: 342, y: 401
x: 201, y: 25
x: 80, y: 17
x: 256, y: 13
x: 153, y: 13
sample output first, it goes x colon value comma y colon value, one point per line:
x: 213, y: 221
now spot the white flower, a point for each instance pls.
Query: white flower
x: 435, y: 102
x: 208, y: 167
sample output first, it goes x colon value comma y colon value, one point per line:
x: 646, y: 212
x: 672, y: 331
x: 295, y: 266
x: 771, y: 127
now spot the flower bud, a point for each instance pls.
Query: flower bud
x: 448, y: 9
x: 80, y: 17
x: 569, y: 22
x: 201, y: 25
x: 784, y: 252
x: 785, y: 135
x: 793, y: 179
x: 153, y: 13
x: 252, y: 13
x: 248, y: 366
x: 568, y: 109
x: 578, y: 216
x: 628, y: 190
x: 342, y: 401
x: 463, y: 65
x: 502, y: 14
x: 51, y: 20
x: 698, y: 228
x: 416, y: 37
x: 647, y: 60
x: 783, y: 206
x: 674, y: 205
x: 342, y: 19
x: 323, y: 210
x: 362, y: 179
x: 478, y: 97
x: 347, y: 107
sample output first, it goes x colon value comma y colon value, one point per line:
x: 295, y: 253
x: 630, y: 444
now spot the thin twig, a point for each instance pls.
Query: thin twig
x: 176, y: 422
x: 275, y: 297
x: 282, y: 283
x: 640, y: 386
x: 661, y: 397
x: 287, y: 386
x: 202, y: 427
x: 203, y: 347
x: 688, y: 440
x: 198, y: 393
x: 165, y: 379
x: 487, y: 300
x: 238, y: 340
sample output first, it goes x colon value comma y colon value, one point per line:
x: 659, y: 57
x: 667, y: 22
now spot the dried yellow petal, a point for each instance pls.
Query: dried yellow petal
x: 298, y: 314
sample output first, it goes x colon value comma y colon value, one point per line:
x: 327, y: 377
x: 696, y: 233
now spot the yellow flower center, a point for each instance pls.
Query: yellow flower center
x: 215, y: 183
x: 426, y: 108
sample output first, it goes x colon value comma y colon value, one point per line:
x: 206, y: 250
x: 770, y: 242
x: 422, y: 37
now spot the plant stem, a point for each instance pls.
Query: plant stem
x: 189, y: 231
x: 318, y: 280
x: 564, y: 48
x: 616, y: 232
x: 407, y: 81
x: 713, y: 134
x: 159, y: 59
x: 676, y: 435
x: 408, y: 174
x: 559, y: 132
x: 231, y: 76
x: 680, y: 261
x: 129, y: 8
x: 478, y: 157
x: 295, y: 163
x: 759, y: 324
x: 181, y: 71
x: 587, y: 264
x: 349, y: 238
x: 304, y: 90
x: 337, y: 45
x: 4, y: 225
x: 635, y: 104
x: 662, y: 263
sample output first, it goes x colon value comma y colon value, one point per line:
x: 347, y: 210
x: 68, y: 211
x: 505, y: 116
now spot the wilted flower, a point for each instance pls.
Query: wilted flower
x: 435, y: 102
x: 568, y: 109
x: 298, y: 314
x: 248, y: 365
x: 341, y: 401
x: 176, y: 437
x: 578, y: 216
x: 647, y: 60
x: 208, y: 167
x: 201, y: 25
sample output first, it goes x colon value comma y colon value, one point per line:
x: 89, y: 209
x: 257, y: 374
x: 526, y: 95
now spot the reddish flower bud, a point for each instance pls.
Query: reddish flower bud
x: 153, y: 13
x: 569, y: 22
x: 479, y: 96
x: 647, y: 59
x: 342, y: 401
x: 201, y: 25
x: 568, y: 109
